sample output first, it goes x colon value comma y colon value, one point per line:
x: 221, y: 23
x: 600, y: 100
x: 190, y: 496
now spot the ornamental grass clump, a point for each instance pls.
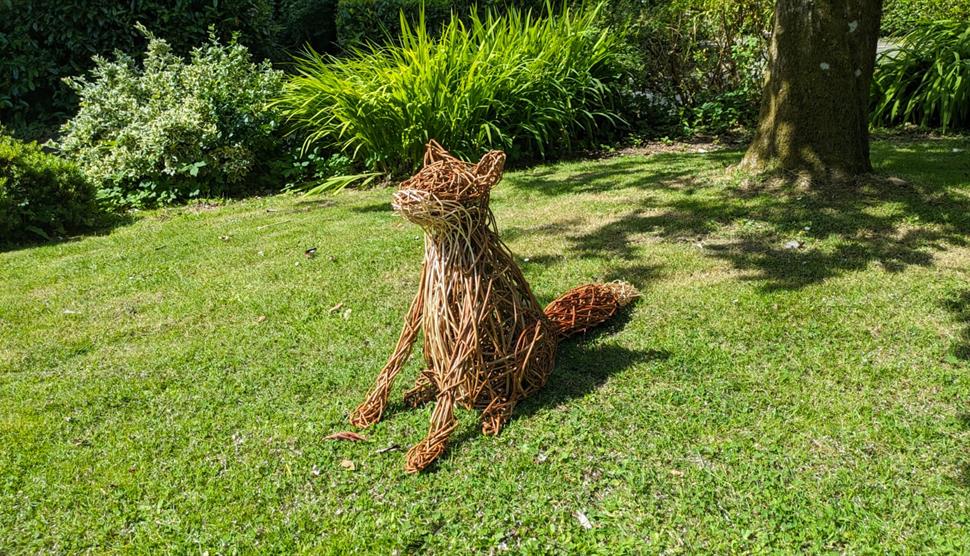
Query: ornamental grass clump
x: 927, y: 81
x: 532, y: 86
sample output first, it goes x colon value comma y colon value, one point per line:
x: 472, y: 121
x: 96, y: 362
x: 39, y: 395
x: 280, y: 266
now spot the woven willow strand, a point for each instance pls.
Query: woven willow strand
x: 487, y: 342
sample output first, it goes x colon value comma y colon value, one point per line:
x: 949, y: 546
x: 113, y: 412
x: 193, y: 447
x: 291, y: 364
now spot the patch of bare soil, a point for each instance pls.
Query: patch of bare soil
x: 698, y: 144
x: 201, y: 206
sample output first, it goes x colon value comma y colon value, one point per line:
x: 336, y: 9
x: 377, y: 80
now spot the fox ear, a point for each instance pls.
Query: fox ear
x: 489, y: 169
x: 434, y: 153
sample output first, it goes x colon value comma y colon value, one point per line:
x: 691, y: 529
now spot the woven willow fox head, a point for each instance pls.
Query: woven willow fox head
x: 448, y: 192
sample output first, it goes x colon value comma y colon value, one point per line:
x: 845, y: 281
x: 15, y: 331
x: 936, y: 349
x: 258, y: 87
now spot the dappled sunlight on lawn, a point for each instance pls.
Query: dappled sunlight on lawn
x: 797, y: 357
x: 787, y: 236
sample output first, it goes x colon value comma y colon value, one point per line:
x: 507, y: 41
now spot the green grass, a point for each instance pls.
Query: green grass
x: 756, y: 398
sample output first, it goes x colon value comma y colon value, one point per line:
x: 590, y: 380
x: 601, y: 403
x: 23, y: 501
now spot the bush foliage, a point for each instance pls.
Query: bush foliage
x: 531, y: 86
x: 697, y: 61
x: 377, y: 21
x: 170, y: 129
x: 41, y: 195
x: 302, y: 22
x: 900, y: 17
x: 926, y: 81
x: 46, y: 40
x: 701, y: 60
x: 362, y: 21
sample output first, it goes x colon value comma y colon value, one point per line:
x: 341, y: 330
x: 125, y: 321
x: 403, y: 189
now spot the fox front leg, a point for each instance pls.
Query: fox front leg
x: 447, y: 377
x: 371, y: 410
x: 443, y: 422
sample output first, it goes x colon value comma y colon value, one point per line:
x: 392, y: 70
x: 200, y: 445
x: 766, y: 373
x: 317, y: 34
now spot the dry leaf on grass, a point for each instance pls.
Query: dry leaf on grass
x: 347, y: 435
x: 348, y: 465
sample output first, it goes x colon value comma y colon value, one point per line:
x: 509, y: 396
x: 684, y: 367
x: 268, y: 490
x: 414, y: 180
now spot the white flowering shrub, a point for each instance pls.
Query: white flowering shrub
x: 170, y: 129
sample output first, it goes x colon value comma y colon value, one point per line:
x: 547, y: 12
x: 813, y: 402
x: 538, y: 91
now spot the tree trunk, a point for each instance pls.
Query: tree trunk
x: 815, y: 106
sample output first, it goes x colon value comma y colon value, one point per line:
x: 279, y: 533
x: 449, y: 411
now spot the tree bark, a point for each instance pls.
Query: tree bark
x: 815, y: 106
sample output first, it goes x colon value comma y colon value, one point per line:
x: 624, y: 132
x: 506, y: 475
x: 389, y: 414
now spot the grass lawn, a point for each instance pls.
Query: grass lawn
x: 168, y: 386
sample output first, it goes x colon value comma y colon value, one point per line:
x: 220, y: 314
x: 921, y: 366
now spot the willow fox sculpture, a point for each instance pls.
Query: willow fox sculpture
x: 487, y: 342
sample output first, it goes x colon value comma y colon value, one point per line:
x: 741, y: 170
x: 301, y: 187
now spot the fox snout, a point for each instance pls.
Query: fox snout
x: 411, y: 204
x: 431, y: 211
x: 420, y: 207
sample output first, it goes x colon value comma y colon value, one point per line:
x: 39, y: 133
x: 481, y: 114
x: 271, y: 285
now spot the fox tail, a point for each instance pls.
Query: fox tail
x: 584, y: 307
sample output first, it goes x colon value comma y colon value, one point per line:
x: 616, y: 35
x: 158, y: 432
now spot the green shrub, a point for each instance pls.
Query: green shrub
x: 303, y: 170
x: 734, y: 105
x: 531, y: 86
x: 703, y: 59
x: 44, y: 41
x: 303, y: 22
x: 362, y: 21
x: 926, y: 81
x: 172, y: 129
x: 900, y: 17
x: 378, y: 21
x: 41, y: 195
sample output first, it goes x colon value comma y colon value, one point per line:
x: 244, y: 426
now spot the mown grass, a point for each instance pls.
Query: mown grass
x: 167, y: 387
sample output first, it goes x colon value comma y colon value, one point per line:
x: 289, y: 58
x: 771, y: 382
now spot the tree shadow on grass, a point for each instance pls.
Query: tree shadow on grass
x: 677, y: 171
x: 960, y: 307
x: 380, y: 206
x: 838, y: 228
x: 307, y: 204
